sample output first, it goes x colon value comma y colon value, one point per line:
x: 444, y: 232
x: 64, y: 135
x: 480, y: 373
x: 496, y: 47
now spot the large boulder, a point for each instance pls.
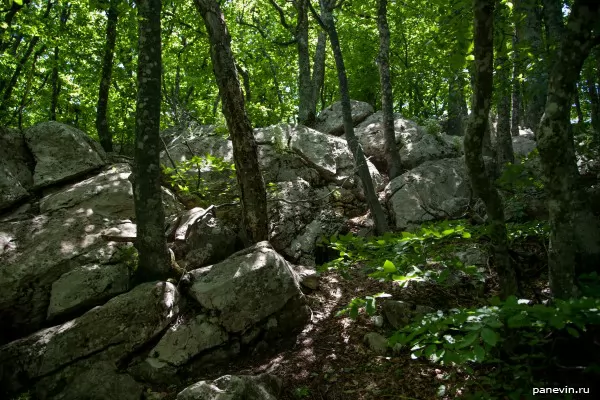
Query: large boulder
x: 522, y: 146
x: 435, y: 189
x: 61, y: 152
x: 110, y: 332
x: 415, y: 144
x: 331, y: 157
x: 246, y: 288
x: 70, y: 244
x: 234, y: 387
x: 331, y: 120
x: 16, y: 164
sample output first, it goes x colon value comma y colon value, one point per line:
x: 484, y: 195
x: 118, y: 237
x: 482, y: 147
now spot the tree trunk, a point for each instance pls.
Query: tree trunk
x: 553, y: 21
x: 504, y: 149
x: 574, y: 231
x: 306, y: 116
x: 392, y: 156
x: 456, y: 106
x: 318, y: 75
x: 245, y: 154
x: 105, y: 76
x: 537, y: 77
x: 516, y: 85
x: 16, y: 74
x: 377, y: 213
x: 153, y: 255
x: 56, y: 84
x: 577, y: 100
x: 484, y: 54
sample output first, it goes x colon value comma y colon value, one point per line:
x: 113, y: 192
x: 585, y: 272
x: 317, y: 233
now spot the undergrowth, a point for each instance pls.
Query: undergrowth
x: 505, y: 348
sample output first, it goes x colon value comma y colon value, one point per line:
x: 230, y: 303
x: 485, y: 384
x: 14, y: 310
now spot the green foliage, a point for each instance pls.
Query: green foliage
x: 357, y: 303
x: 432, y: 126
x: 406, y: 256
x: 523, y: 185
x: 301, y: 392
x: 129, y: 256
x: 512, y: 336
x: 208, y: 178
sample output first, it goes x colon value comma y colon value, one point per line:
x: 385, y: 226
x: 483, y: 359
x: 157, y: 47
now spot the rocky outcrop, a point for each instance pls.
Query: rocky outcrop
x: 331, y: 120
x: 109, y: 332
x: 16, y: 166
x: 433, y: 190
x: 415, y: 145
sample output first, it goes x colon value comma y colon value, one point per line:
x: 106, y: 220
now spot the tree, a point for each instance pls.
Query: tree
x: 245, y: 154
x: 484, y: 55
x: 153, y: 255
x: 377, y: 213
x: 574, y: 231
x: 504, y: 149
x: 112, y: 15
x: 392, y: 156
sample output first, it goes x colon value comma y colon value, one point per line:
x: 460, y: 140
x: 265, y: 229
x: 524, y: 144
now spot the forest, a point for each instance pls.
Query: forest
x: 299, y: 199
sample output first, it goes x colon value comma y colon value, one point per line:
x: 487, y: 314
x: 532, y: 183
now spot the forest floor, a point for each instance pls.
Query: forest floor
x: 329, y: 359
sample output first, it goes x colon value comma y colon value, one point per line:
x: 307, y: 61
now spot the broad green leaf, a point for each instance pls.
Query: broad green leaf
x: 479, y: 353
x: 573, y: 332
x: 468, y: 340
x: 489, y: 336
x: 389, y: 267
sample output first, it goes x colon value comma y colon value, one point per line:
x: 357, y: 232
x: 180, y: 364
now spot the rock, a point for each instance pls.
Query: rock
x: 438, y: 187
x: 61, y: 152
x: 397, y: 313
x: 36, y: 252
x: 331, y: 121
x: 306, y: 276
x: 233, y: 387
x: 16, y: 164
x: 186, y: 219
x: 421, y: 310
x: 522, y: 146
x: 101, y: 382
x: 185, y: 341
x: 109, y: 194
x: 472, y: 255
x: 114, y: 330
x: 87, y: 286
x: 415, y: 145
x: 125, y: 231
x: 331, y: 157
x: 377, y: 343
x: 245, y: 288
x: 377, y: 320
x: 208, y: 241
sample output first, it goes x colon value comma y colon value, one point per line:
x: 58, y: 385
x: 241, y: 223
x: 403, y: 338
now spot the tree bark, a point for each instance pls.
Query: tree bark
x: 457, y: 110
x: 153, y: 255
x: 504, y: 149
x: 473, y: 143
x: 245, y: 153
x: 104, y: 133
x: 537, y: 77
x: 516, y: 84
x: 306, y: 116
x: 392, y: 156
x: 318, y: 76
x: 56, y: 84
x: 574, y: 231
x: 553, y: 21
x: 377, y: 213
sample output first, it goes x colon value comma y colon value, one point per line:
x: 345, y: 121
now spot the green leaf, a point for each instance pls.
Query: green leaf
x: 466, y: 235
x: 430, y: 350
x: 517, y: 321
x: 573, y: 332
x: 468, y: 340
x: 389, y: 267
x: 479, y: 353
x: 489, y: 336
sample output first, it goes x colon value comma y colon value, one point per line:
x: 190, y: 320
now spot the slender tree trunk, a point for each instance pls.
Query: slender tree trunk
x: 392, y: 156
x: 306, y: 116
x: 516, y: 85
x: 318, y: 77
x: 553, y: 21
x: 105, y: 76
x: 484, y: 54
x: 574, y: 231
x: 55, y: 84
x: 580, y: 118
x: 153, y: 259
x: 16, y: 74
x: 378, y: 215
x: 504, y: 149
x: 245, y: 154
x: 537, y: 78
x: 456, y: 106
